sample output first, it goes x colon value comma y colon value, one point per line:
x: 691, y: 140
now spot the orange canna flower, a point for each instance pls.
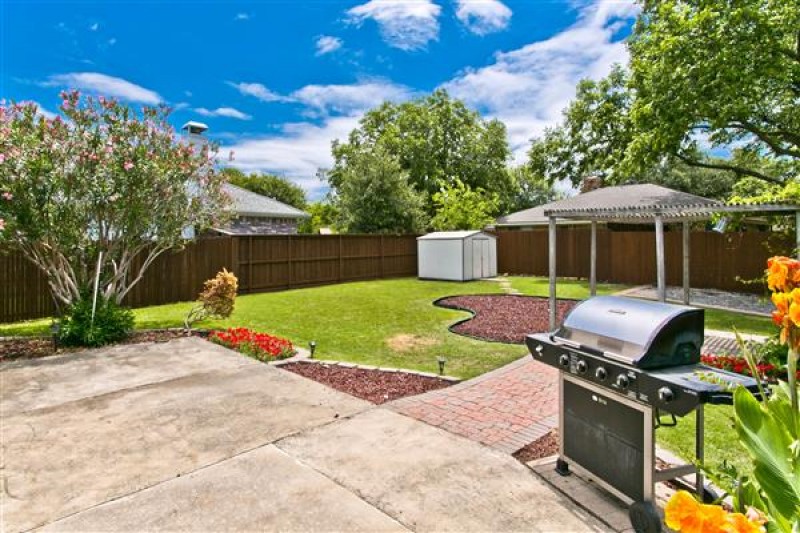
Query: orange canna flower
x: 777, y: 273
x: 683, y: 513
x: 680, y: 511
x: 794, y: 314
x: 739, y: 523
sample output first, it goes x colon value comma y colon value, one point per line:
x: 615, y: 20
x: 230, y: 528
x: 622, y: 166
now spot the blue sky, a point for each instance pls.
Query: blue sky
x: 278, y: 80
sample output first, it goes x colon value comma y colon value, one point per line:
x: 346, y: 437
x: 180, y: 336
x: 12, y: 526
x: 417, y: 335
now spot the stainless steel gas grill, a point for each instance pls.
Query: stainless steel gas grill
x: 625, y: 365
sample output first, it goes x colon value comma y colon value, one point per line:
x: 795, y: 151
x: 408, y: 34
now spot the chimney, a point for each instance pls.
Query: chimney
x: 194, y: 132
x: 590, y: 183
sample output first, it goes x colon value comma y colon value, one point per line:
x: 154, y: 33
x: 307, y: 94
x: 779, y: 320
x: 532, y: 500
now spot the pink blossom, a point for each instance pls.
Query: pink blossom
x: 128, y: 165
x: 2, y: 224
x: 2, y: 158
x: 8, y: 196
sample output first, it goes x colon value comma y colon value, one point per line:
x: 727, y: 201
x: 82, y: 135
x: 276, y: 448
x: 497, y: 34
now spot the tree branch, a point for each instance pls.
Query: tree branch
x: 741, y: 171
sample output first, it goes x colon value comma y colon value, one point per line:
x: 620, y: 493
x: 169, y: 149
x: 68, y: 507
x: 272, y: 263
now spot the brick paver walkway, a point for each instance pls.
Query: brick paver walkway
x: 505, y: 409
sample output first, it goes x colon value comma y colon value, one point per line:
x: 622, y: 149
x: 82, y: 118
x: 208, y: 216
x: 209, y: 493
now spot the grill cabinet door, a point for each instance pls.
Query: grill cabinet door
x: 606, y: 437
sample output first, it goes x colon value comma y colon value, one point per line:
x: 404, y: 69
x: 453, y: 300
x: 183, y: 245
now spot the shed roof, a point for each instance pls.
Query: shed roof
x: 451, y: 235
x: 248, y: 203
x: 643, y: 196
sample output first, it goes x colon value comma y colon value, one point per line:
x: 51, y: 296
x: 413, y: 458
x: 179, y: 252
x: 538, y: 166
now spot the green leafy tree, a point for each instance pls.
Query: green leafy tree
x: 322, y: 215
x: 459, y: 207
x: 276, y: 187
x: 434, y: 139
x: 729, y: 72
x: 593, y: 136
x: 530, y: 189
x: 107, y: 190
x: 703, y: 75
x: 375, y: 196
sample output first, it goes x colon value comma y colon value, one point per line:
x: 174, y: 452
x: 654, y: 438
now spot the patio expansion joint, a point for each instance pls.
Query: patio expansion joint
x: 355, y: 492
x: 206, y: 466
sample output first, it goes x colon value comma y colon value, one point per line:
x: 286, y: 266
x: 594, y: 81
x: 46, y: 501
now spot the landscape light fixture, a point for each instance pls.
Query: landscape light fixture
x: 55, y: 329
x: 441, y: 360
x: 312, y: 346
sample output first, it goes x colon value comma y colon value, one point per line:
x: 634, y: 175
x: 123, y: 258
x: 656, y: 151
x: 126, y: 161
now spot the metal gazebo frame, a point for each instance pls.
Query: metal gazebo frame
x: 660, y: 215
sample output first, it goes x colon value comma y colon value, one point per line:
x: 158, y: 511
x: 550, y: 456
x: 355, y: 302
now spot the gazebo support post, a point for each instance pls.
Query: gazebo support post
x: 797, y: 230
x: 660, y: 273
x: 593, y: 266
x: 687, y: 245
x: 551, y: 245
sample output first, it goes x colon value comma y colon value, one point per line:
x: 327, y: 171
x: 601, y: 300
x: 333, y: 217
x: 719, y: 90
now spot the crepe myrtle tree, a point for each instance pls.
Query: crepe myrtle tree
x: 105, y: 188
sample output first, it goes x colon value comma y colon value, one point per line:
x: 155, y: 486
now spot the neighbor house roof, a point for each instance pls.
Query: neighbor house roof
x: 643, y: 196
x: 248, y: 203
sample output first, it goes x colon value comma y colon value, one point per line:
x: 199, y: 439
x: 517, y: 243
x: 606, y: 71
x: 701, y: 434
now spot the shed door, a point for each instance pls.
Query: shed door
x: 480, y: 258
x: 485, y: 254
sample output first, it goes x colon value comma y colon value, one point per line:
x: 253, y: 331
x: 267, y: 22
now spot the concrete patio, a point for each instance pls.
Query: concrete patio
x: 187, y: 435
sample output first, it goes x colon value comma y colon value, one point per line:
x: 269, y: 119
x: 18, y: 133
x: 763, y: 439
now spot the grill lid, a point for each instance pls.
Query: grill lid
x: 636, y: 332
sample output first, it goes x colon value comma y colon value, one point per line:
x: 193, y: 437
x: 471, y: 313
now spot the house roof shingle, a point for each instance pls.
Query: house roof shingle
x: 248, y: 203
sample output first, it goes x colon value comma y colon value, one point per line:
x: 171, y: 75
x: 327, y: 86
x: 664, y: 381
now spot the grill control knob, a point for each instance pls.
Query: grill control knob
x: 582, y: 366
x: 665, y: 394
x: 563, y: 360
x: 601, y: 373
x: 623, y: 381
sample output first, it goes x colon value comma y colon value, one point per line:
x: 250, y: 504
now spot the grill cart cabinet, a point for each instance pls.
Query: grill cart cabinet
x: 457, y: 255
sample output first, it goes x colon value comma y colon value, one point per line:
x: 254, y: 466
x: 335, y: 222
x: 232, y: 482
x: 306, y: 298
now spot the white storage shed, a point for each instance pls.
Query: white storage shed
x: 457, y: 255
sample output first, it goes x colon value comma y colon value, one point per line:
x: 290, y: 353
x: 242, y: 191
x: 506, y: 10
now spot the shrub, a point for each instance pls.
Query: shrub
x: 216, y: 300
x: 111, y: 322
x: 257, y: 345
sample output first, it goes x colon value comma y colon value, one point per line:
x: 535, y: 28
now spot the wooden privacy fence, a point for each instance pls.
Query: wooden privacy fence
x: 262, y: 263
x: 717, y: 260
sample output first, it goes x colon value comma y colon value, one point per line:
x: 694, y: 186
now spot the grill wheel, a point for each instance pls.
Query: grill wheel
x: 644, y: 517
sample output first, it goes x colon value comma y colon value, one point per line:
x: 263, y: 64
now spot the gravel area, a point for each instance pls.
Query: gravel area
x: 375, y: 386
x: 538, y: 449
x: 735, y: 301
x: 504, y: 317
x: 30, y: 347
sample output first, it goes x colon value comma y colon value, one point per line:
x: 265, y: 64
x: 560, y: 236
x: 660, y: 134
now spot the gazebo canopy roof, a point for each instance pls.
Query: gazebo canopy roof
x: 644, y: 202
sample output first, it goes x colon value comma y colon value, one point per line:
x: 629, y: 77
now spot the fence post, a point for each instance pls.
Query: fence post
x: 341, y: 259
x: 381, y: 274
x: 234, y: 259
x: 289, y: 259
x: 250, y: 263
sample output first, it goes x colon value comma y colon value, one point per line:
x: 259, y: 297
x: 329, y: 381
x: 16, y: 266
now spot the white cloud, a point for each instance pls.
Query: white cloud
x: 297, y: 151
x: 483, y: 16
x: 241, y: 16
x: 257, y: 90
x: 94, y: 27
x: 105, y: 85
x: 407, y: 24
x: 349, y: 99
x: 327, y: 44
x: 228, y: 112
x: 528, y: 88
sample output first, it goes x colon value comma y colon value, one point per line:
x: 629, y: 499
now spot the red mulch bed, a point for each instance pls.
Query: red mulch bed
x: 30, y: 347
x: 504, y: 317
x: 374, y: 386
x: 538, y: 449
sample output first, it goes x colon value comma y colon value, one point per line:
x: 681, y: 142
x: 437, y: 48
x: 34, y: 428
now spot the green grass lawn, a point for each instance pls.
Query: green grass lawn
x: 715, y: 318
x: 393, y: 323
